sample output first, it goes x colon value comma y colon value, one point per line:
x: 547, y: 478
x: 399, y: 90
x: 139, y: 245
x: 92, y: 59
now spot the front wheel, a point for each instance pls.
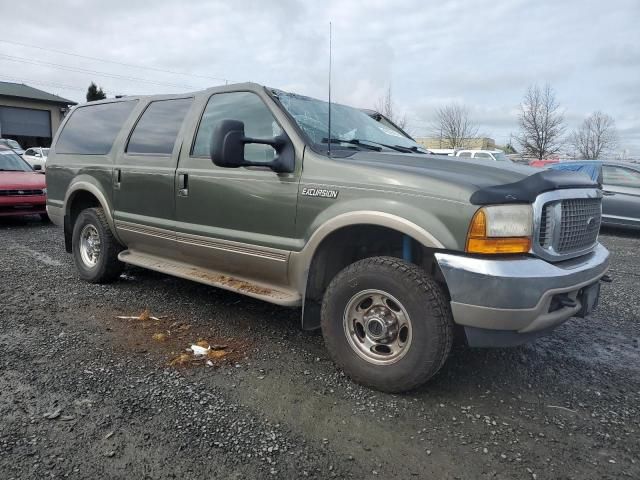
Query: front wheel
x: 387, y: 324
x: 95, y: 249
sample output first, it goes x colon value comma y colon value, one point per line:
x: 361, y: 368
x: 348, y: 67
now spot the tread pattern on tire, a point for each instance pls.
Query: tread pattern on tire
x: 439, y: 306
x: 111, y: 268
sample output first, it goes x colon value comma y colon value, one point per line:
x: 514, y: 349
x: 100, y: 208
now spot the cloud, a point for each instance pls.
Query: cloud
x: 483, y: 53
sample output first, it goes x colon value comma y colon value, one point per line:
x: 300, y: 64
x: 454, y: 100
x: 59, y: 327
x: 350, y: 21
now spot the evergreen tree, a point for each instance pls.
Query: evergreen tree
x: 95, y: 93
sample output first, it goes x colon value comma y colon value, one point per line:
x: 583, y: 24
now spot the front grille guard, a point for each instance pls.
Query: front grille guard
x: 547, y: 213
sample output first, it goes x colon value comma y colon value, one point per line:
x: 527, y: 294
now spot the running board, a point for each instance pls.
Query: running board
x: 214, y: 278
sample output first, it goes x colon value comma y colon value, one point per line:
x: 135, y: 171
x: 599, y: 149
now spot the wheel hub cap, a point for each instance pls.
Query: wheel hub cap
x: 90, y: 245
x: 377, y: 327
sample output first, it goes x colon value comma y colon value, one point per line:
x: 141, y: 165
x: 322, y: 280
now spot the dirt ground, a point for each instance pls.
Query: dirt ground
x: 84, y: 394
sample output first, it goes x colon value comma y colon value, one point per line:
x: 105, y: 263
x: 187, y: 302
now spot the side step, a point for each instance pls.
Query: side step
x: 214, y: 278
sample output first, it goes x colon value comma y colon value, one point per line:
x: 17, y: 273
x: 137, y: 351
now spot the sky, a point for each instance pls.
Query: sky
x: 480, y: 53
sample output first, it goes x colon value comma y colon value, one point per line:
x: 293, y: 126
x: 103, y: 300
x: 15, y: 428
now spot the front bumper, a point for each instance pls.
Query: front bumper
x: 509, y: 301
x: 25, y: 205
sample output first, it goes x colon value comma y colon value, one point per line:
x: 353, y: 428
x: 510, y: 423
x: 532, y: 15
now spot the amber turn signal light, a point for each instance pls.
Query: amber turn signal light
x: 479, y: 242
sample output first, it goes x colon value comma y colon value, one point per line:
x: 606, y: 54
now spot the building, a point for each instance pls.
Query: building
x: 30, y: 116
x: 479, y: 143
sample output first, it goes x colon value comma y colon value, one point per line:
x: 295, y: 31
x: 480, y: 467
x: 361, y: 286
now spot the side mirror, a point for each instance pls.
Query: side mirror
x: 227, y: 148
x: 37, y: 167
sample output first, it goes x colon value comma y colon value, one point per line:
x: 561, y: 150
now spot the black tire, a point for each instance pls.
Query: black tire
x: 426, y: 305
x: 107, y: 267
x: 44, y: 217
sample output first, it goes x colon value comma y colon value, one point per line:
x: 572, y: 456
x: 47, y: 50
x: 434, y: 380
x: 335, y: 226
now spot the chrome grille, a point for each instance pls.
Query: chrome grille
x: 568, y: 226
x: 579, y: 224
x: 19, y: 193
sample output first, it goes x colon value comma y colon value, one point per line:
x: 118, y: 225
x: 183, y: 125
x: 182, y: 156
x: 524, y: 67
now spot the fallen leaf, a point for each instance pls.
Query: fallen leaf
x: 159, y: 337
x: 145, y: 315
x: 217, y: 353
x: 181, y: 359
x: 202, y: 343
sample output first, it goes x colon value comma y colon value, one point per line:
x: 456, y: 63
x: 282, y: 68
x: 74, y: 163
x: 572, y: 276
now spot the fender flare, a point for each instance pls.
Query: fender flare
x: 88, y: 186
x: 301, y: 261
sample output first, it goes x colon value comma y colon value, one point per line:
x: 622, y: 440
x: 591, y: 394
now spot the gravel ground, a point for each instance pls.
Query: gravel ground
x: 86, y: 395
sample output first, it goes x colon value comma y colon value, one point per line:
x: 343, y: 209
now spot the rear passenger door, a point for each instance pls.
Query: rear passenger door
x: 143, y: 178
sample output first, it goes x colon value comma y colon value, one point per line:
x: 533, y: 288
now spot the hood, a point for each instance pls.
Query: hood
x: 487, y: 182
x: 21, y: 180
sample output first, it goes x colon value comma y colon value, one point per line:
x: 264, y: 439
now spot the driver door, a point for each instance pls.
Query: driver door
x: 236, y: 220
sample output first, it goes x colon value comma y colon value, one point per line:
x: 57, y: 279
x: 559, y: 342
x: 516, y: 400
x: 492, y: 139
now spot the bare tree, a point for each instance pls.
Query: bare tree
x: 386, y: 107
x: 453, y: 126
x: 596, y: 136
x: 541, y: 122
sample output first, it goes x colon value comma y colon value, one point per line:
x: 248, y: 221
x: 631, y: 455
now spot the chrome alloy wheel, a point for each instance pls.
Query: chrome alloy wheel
x: 377, y: 327
x: 90, y: 245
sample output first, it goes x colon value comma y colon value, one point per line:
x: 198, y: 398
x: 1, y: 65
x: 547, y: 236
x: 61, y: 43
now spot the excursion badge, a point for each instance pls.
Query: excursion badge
x: 319, y: 192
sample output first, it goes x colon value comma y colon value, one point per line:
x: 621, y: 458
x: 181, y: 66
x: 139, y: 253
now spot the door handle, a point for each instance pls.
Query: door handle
x: 117, y: 176
x: 183, y: 185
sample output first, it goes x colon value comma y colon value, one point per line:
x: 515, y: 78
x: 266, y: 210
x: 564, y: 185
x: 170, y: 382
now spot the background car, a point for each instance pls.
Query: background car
x: 620, y: 186
x: 12, y: 144
x: 22, y: 190
x: 494, y: 155
x: 36, y: 156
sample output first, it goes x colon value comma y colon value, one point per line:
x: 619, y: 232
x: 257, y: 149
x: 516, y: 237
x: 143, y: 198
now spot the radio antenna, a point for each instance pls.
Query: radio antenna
x: 329, y: 126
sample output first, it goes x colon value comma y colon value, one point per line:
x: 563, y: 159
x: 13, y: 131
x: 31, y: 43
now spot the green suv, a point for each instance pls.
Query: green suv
x: 387, y: 249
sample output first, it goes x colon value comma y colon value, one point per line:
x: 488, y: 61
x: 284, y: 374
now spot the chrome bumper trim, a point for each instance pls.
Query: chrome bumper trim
x: 515, y: 294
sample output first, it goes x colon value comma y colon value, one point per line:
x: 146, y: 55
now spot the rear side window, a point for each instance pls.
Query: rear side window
x: 465, y: 154
x: 91, y: 130
x: 158, y: 128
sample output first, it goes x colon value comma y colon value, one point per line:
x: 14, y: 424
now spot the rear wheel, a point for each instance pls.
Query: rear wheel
x: 95, y: 249
x: 387, y: 324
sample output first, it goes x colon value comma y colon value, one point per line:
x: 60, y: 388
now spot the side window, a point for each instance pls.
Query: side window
x: 91, y: 130
x: 157, y: 129
x: 620, y: 176
x: 246, y: 107
x: 29, y: 152
x: 482, y: 155
x: 465, y: 154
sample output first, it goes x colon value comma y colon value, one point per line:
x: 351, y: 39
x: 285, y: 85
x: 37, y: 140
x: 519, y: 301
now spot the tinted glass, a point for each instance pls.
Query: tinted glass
x: 465, y: 154
x: 623, y: 177
x: 158, y: 128
x: 91, y: 130
x: 482, y: 155
x: 246, y: 107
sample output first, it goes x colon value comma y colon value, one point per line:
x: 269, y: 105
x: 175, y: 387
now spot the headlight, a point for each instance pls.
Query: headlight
x: 501, y: 229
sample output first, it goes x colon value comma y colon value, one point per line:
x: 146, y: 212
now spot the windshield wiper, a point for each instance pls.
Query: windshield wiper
x: 353, y: 141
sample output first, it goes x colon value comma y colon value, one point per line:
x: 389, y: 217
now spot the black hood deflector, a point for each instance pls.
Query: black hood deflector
x: 527, y: 189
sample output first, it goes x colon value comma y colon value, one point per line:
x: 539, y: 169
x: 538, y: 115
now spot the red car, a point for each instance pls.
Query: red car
x: 543, y: 163
x: 22, y: 190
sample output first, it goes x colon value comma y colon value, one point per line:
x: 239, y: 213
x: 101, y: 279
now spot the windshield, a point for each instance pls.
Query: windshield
x: 11, y: 162
x: 501, y: 157
x: 347, y: 124
x: 12, y: 144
